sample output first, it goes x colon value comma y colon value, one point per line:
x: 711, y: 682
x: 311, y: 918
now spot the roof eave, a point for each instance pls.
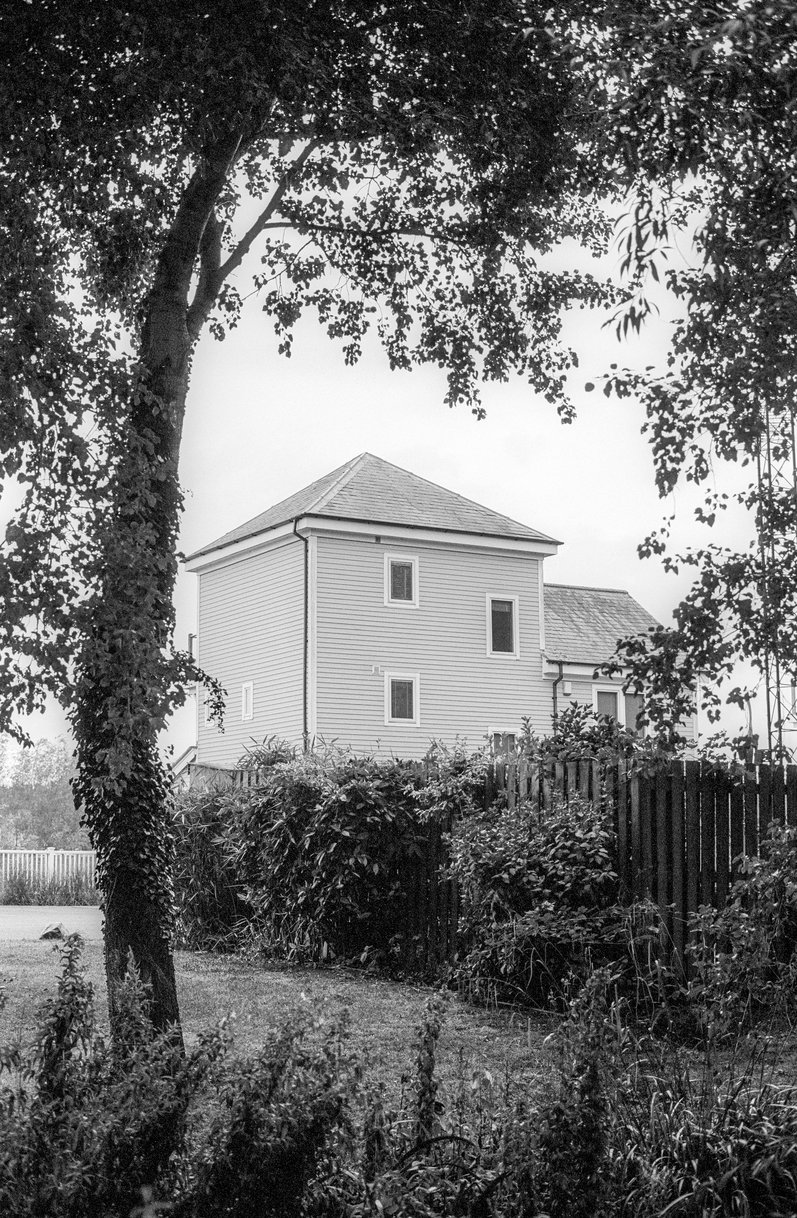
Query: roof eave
x: 539, y: 544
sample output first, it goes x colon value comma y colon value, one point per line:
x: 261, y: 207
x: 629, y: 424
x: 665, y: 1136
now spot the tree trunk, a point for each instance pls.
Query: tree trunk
x: 126, y: 677
x: 123, y: 688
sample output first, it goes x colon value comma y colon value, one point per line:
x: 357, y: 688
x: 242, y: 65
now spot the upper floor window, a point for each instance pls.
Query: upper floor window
x: 502, y: 626
x: 401, y: 580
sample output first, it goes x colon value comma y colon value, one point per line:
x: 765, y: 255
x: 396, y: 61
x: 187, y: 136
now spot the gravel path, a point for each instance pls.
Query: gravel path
x: 28, y: 921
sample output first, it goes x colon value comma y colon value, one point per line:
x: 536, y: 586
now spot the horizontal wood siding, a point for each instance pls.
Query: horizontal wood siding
x: 251, y: 628
x: 464, y: 692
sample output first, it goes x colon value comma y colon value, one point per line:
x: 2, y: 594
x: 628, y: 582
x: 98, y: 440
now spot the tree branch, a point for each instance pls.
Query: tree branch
x: 209, y: 263
x: 374, y: 233
x: 209, y: 284
x: 176, y: 264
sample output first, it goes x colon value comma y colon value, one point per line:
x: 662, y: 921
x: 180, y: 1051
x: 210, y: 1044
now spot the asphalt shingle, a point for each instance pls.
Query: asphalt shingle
x: 583, y: 625
x: 371, y: 490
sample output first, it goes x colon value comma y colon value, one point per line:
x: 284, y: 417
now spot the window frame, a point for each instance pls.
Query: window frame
x: 504, y: 734
x: 394, y: 674
x: 515, y: 602
x: 620, y: 695
x: 390, y: 557
x: 247, y: 687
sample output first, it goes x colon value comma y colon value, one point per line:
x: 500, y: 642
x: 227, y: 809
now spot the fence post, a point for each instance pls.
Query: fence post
x: 49, y: 863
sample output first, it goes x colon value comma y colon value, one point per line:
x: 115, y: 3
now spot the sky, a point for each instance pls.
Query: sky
x: 260, y: 426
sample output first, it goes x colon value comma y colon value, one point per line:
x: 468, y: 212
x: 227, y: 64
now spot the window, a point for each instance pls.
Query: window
x: 606, y: 703
x: 625, y: 708
x: 502, y: 631
x: 504, y: 743
x: 401, y: 580
x: 247, y: 700
x: 402, y: 696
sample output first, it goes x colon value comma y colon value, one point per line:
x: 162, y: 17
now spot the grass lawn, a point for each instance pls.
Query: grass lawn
x: 384, y: 1014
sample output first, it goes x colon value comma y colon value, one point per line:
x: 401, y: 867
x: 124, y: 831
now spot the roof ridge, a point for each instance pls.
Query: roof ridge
x: 348, y: 471
x: 456, y: 495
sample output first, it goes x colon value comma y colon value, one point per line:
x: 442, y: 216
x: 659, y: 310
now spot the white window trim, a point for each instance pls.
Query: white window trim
x: 395, y: 675
x: 502, y: 596
x: 247, y: 701
x: 392, y: 556
x: 502, y: 731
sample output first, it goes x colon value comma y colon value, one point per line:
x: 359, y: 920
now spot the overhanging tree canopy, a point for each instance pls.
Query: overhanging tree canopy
x: 397, y: 167
x: 701, y: 105
x: 407, y: 160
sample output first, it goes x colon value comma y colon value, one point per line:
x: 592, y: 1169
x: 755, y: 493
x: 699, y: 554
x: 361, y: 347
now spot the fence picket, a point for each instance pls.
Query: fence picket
x: 679, y: 857
x: 722, y: 794
x: 663, y: 853
x: 707, y: 835
x: 791, y: 794
x: 750, y: 813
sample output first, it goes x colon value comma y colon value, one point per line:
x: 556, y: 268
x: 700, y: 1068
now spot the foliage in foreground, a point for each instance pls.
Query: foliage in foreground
x: 628, y: 1126
x: 85, y: 1123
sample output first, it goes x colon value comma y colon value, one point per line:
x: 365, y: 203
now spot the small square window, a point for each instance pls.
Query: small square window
x: 247, y: 700
x: 401, y: 698
x: 504, y: 744
x: 401, y: 580
x: 502, y: 633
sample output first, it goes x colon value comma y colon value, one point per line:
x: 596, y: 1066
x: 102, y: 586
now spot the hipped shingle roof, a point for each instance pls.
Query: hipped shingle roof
x: 371, y: 490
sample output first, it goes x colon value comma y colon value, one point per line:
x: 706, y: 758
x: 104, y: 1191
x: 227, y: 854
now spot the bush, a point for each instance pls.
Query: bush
x: 539, y: 897
x: 744, y: 957
x: 321, y: 855
x: 209, y: 904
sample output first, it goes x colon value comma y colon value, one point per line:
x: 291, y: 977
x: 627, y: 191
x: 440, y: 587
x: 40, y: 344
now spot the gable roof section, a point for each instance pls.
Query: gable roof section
x: 371, y: 490
x: 582, y: 625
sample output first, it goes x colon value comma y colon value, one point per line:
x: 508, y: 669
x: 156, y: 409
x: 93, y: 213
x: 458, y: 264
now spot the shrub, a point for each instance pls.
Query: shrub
x: 744, y: 957
x: 209, y: 904
x: 322, y: 854
x: 540, y: 898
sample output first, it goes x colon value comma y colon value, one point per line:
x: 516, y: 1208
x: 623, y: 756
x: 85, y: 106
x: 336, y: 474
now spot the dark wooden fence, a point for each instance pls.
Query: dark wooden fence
x: 679, y: 828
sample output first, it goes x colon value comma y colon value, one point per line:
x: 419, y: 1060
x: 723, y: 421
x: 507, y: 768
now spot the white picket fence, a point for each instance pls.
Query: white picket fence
x: 41, y: 866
